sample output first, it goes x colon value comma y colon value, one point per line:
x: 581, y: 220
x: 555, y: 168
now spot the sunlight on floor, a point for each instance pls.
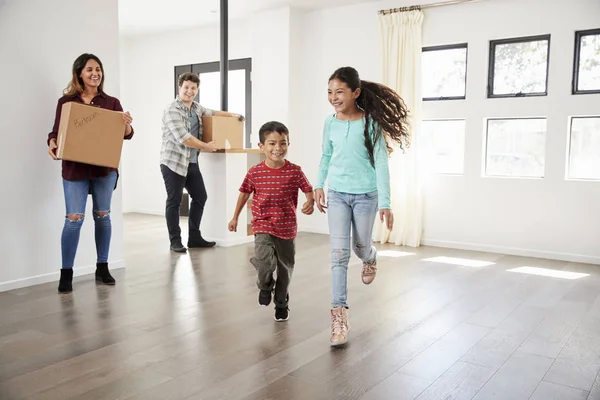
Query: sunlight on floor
x: 393, y: 253
x: 549, y: 272
x: 465, y: 262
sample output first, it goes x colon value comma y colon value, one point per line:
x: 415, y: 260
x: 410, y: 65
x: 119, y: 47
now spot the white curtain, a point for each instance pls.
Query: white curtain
x: 401, y: 45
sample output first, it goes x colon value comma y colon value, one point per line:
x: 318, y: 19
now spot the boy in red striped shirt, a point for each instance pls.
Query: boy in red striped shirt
x: 275, y: 183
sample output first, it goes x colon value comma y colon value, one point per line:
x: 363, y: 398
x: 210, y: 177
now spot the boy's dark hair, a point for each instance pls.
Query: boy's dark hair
x: 380, y: 104
x: 188, y: 76
x: 272, y: 126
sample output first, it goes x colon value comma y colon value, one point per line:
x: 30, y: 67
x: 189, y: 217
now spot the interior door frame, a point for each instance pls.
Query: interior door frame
x: 238, y: 64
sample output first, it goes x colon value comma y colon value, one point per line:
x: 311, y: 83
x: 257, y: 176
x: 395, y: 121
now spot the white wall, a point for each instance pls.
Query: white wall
x: 38, y: 47
x: 548, y: 218
x: 147, y: 71
x: 552, y: 218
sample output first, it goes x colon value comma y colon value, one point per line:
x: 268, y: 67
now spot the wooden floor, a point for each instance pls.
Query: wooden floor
x: 189, y: 327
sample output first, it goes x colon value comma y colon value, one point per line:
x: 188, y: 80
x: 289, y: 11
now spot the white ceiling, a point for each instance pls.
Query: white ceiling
x: 143, y: 16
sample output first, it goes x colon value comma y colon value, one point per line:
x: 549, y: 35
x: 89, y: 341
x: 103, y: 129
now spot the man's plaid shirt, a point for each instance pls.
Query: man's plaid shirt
x: 176, y: 130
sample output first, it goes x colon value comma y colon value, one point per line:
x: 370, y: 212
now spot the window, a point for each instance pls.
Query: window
x: 515, y: 147
x: 445, y: 69
x: 586, y: 71
x: 239, y: 88
x: 584, y: 148
x: 443, y: 146
x: 519, y: 67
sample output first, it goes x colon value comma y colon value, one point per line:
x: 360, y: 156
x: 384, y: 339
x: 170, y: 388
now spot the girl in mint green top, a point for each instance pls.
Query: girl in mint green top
x: 368, y: 117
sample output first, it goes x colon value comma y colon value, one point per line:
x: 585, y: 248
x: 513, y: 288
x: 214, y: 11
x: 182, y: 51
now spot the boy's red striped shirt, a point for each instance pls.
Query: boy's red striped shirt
x: 275, y: 198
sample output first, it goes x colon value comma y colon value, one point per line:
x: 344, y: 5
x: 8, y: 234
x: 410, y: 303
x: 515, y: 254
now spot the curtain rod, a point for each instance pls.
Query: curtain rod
x: 421, y: 7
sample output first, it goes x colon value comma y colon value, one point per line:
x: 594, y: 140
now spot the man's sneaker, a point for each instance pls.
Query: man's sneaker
x: 282, y: 314
x: 264, y: 297
x: 177, y: 247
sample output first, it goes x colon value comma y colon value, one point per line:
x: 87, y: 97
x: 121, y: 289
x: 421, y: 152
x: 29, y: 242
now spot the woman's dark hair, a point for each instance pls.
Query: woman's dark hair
x: 188, y: 76
x: 382, y: 106
x: 76, y: 85
x: 270, y: 127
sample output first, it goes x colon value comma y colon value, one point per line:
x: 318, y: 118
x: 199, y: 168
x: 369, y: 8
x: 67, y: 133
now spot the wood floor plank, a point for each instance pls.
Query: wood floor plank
x: 552, y: 391
x: 461, y: 382
x: 518, y: 378
x: 550, y: 336
x: 397, y: 387
x: 441, y: 355
x: 578, y: 363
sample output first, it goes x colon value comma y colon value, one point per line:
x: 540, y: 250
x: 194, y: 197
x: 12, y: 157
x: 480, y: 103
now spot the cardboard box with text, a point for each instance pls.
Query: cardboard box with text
x: 90, y: 135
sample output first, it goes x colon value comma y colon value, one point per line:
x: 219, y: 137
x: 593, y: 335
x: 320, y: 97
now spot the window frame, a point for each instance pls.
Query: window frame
x: 237, y: 64
x: 492, y: 63
x: 576, y: 59
x: 568, y: 155
x: 450, y: 47
x: 485, y: 148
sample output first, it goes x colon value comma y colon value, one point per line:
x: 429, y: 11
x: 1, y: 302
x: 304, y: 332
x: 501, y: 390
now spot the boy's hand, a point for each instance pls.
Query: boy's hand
x: 308, y: 207
x: 232, y: 225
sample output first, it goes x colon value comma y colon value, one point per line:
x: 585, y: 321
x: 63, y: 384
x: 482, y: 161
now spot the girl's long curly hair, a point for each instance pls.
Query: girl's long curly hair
x: 381, y: 105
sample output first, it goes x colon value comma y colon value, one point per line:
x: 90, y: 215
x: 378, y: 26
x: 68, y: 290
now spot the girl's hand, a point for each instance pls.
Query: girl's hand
x: 52, y: 149
x: 389, y: 217
x: 320, y: 200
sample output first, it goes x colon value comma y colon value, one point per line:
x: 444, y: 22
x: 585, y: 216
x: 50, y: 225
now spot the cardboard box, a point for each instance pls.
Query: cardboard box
x: 226, y: 132
x: 90, y: 135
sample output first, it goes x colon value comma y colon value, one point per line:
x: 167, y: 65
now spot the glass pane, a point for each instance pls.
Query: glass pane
x: 445, y: 72
x: 584, y: 151
x: 210, y: 91
x: 589, y: 63
x: 443, y: 146
x: 516, y: 147
x: 520, y: 67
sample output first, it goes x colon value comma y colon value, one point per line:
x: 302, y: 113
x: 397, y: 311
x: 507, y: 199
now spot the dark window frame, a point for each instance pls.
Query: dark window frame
x: 492, y: 62
x: 450, y: 47
x: 576, y: 59
x: 487, y: 139
x: 237, y: 64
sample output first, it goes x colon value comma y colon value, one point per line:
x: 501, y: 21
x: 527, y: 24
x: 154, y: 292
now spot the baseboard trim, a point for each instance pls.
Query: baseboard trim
x: 323, y: 230
x: 54, y: 276
x: 514, y: 251
x: 230, y: 242
x: 160, y: 213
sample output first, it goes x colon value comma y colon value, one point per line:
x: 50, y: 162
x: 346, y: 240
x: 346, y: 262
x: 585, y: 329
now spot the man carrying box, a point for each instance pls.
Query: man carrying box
x: 181, y: 141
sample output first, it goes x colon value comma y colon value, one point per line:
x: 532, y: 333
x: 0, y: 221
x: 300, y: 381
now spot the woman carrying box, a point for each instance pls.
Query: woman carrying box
x: 79, y: 179
x: 181, y: 140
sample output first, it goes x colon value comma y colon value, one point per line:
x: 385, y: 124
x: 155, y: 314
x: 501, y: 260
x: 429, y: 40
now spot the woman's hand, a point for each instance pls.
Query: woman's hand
x: 52, y: 149
x: 320, y: 200
x: 128, y: 119
x: 389, y: 217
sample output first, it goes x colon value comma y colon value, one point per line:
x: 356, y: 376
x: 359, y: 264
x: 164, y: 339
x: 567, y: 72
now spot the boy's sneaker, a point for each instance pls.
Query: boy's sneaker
x: 282, y: 314
x: 264, y: 297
